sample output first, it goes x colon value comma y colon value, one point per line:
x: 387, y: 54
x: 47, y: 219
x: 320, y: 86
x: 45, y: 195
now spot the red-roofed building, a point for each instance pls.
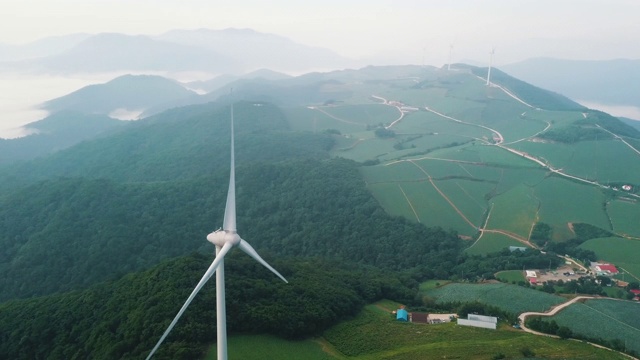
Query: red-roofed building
x: 533, y: 281
x: 635, y: 292
x: 605, y: 269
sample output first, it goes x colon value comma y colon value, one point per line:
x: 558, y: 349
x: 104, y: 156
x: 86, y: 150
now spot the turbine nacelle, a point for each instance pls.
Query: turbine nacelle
x: 221, y: 237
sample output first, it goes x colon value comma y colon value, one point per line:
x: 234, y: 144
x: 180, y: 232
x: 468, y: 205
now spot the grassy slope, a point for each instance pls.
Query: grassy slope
x: 373, y: 334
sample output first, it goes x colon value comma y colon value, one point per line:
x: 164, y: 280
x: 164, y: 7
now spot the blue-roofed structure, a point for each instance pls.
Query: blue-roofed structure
x: 402, y: 315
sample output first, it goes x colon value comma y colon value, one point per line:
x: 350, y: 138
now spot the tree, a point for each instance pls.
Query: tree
x: 564, y: 332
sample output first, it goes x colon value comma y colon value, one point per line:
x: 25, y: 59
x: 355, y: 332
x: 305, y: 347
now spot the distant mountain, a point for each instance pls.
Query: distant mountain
x: 259, y: 50
x: 315, y: 87
x: 130, y: 92
x: 222, y: 80
x: 212, y: 51
x: 55, y: 133
x: 116, y: 52
x: 40, y: 48
x: 611, y: 82
x: 631, y: 122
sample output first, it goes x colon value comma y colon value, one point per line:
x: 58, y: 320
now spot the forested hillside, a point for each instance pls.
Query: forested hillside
x: 123, y: 319
x: 66, y: 234
x: 178, y: 144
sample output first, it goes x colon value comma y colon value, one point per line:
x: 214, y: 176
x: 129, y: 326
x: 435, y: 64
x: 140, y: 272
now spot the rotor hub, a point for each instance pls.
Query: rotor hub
x: 221, y: 237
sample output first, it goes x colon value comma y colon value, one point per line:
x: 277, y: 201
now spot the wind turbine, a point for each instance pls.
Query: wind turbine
x: 493, y: 51
x: 450, y: 54
x: 224, y: 239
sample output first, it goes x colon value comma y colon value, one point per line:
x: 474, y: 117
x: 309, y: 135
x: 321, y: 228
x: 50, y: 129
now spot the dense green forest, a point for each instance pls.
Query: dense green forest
x: 69, y: 233
x: 123, y: 319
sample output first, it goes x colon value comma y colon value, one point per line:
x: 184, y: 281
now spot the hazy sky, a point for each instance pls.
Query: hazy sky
x: 402, y: 31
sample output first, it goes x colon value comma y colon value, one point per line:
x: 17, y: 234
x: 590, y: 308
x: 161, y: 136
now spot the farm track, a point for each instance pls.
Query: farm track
x: 386, y: 102
x: 335, y: 117
x: 619, y: 138
x: 409, y: 202
x: 444, y: 196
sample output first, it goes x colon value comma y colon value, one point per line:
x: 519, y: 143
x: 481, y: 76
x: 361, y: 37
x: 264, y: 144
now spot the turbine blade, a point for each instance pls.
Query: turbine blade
x: 212, y: 269
x: 229, y: 223
x: 249, y: 250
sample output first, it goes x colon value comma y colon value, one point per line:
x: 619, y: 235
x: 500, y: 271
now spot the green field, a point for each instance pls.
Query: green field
x: 622, y: 252
x: 603, y: 160
x: 510, y: 276
x: 514, y: 211
x: 604, y: 318
x: 563, y: 201
x: 624, y: 216
x: 491, y: 242
x: 511, y: 298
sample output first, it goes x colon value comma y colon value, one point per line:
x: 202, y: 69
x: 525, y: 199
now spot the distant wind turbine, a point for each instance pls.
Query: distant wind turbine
x: 493, y: 51
x: 224, y: 239
x: 450, y: 54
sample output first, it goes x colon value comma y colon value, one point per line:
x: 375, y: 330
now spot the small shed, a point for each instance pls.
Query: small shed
x: 402, y: 314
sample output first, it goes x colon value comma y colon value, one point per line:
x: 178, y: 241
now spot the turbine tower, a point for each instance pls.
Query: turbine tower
x: 450, y: 53
x: 224, y: 239
x: 493, y: 51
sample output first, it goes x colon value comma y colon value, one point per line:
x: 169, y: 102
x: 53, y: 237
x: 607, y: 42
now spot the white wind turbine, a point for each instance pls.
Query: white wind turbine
x: 493, y: 51
x: 224, y: 239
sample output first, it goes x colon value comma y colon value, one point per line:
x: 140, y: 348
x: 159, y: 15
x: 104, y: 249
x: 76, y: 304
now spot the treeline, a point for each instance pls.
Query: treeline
x: 575, y: 133
x: 572, y: 247
x: 123, y: 319
x: 67, y: 234
x: 483, y: 267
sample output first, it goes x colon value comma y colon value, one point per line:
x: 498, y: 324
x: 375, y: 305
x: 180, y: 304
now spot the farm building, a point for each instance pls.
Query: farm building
x: 419, y: 317
x: 531, y: 277
x: 604, y: 269
x: 402, y: 314
x: 519, y: 248
x: 481, y: 321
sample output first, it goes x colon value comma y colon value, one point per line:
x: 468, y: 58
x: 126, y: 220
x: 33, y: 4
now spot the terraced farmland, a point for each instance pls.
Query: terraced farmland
x: 462, y: 152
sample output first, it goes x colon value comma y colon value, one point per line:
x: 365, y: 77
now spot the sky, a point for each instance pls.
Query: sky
x: 400, y: 31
